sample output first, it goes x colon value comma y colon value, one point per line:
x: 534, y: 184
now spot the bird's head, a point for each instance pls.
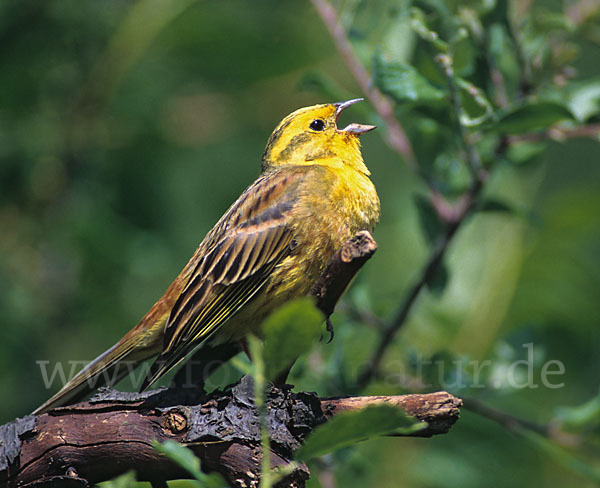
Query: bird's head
x: 310, y: 136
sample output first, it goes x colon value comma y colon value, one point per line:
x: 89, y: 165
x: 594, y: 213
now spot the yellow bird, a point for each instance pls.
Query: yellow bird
x: 271, y: 246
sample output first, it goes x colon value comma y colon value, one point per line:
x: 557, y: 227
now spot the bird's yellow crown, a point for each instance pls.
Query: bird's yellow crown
x: 310, y: 136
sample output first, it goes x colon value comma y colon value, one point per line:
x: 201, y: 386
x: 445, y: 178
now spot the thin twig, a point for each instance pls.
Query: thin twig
x: 511, y: 422
x: 472, y: 156
x: 525, y: 83
x: 360, y: 315
x: 497, y: 77
x: 501, y: 98
x: 591, y: 131
x: 464, y: 208
x: 396, y: 136
x: 516, y: 424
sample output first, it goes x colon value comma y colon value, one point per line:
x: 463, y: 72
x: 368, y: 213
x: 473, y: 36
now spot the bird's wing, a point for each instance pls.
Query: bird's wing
x: 241, y: 253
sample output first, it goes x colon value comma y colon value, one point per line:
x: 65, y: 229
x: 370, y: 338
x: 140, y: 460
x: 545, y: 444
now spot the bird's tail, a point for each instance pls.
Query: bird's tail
x: 162, y: 365
x: 199, y: 367
x: 110, y: 367
x: 142, y: 342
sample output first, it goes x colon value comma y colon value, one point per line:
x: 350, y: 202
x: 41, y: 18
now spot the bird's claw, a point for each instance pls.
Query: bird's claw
x: 329, y: 329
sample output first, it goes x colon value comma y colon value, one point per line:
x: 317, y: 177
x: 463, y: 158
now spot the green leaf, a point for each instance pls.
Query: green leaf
x: 547, y: 21
x: 399, y: 40
x: 476, y: 108
x: 581, y: 416
x: 185, y: 458
x: 351, y: 427
x: 181, y: 455
x: 126, y: 480
x: 451, y: 172
x: 525, y: 152
x: 403, y: 82
x: 430, y: 223
x: 500, y: 206
x: 289, y: 332
x: 464, y: 56
x: 504, y: 55
x: 439, y: 280
x: 562, y: 456
x: 531, y: 117
x: 418, y: 23
x: 585, y: 99
x: 495, y: 205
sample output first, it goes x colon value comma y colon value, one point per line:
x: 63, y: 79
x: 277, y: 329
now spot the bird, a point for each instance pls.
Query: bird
x: 313, y: 193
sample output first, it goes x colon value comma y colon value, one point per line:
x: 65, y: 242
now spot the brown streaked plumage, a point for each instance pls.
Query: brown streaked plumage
x: 272, y: 244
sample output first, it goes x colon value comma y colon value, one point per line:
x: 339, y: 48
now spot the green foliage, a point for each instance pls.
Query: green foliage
x: 347, y: 428
x: 585, y: 416
x: 289, y: 332
x: 562, y: 456
x: 185, y: 458
x: 526, y: 153
x: 584, y: 100
x: 127, y: 480
x: 531, y: 117
x: 404, y: 83
x: 431, y: 225
x: 438, y: 281
x: 494, y: 205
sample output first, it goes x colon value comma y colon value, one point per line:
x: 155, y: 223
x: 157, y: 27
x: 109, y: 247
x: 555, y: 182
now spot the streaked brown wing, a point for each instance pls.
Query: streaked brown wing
x: 227, y: 279
x: 241, y: 252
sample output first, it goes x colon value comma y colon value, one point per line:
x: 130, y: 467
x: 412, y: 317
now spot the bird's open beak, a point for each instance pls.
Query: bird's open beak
x: 356, y: 129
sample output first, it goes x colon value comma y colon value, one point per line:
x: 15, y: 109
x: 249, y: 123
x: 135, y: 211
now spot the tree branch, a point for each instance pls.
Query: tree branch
x: 114, y: 432
x: 341, y: 269
x: 440, y: 410
x: 517, y: 424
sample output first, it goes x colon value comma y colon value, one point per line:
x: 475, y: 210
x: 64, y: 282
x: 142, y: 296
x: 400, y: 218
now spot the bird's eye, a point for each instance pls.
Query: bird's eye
x: 317, y: 124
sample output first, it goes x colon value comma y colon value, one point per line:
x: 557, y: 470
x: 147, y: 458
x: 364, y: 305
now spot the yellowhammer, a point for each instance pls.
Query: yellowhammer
x: 273, y: 243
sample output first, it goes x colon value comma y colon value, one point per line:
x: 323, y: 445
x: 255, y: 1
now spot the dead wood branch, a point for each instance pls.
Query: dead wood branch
x: 114, y: 432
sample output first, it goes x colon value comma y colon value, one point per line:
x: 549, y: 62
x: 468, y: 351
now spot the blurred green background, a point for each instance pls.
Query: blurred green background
x: 127, y: 129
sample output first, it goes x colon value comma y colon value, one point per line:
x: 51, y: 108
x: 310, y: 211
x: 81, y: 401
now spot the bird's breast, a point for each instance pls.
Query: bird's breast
x: 330, y: 211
